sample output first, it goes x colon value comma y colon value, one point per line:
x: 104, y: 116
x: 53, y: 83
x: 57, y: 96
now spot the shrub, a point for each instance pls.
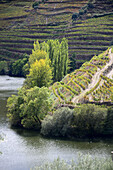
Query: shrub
x: 89, y: 120
x: 90, y: 5
x: 3, y: 67
x: 35, y: 5
x: 81, y: 11
x: 108, y: 128
x: 18, y: 67
x: 74, y: 16
x: 58, y: 124
x: 73, y: 62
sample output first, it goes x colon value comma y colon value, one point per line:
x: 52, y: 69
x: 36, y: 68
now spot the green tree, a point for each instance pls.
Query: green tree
x: 64, y: 50
x: 58, y: 54
x: 13, y: 104
x: 51, y: 44
x: 3, y: 67
x: 17, y: 68
x: 36, y: 105
x: 58, y: 124
x: 89, y: 120
x: 73, y: 62
x: 40, y: 74
x: 37, y: 55
x: 108, y: 128
x: 29, y: 107
x: 55, y: 51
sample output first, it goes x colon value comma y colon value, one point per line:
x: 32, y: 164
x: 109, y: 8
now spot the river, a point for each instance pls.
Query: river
x: 23, y: 149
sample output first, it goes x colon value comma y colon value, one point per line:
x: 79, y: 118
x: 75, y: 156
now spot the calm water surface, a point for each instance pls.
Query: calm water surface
x: 22, y: 149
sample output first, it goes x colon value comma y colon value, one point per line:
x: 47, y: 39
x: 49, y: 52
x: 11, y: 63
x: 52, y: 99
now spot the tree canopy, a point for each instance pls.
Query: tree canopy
x: 40, y: 74
x: 54, y: 51
x: 29, y: 107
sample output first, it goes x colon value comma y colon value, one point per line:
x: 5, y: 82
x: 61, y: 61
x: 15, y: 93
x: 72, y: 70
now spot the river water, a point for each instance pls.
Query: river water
x: 23, y: 149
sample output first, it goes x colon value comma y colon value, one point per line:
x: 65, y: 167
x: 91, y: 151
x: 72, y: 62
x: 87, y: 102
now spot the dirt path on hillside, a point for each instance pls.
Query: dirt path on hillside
x: 95, y: 79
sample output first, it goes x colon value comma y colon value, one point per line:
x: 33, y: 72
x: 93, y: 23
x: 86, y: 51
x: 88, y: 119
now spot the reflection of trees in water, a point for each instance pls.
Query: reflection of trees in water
x: 32, y: 138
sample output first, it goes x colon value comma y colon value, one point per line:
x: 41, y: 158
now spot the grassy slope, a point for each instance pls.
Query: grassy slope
x: 20, y: 25
x: 88, y: 83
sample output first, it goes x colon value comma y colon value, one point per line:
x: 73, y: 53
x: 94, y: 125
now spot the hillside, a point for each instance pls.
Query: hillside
x: 92, y: 82
x: 21, y: 25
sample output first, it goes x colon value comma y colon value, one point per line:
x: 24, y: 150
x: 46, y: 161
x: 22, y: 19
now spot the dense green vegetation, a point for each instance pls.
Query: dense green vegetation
x: 85, y: 162
x: 45, y: 24
x: 29, y: 107
x: 40, y: 74
x: 59, y: 124
x: 84, y: 121
x: 3, y: 67
x: 35, y: 100
x: 16, y: 68
x: 54, y: 51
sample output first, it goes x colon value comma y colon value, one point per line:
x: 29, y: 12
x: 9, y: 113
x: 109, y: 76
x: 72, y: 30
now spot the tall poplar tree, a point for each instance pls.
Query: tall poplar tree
x: 65, y: 53
x: 57, y: 53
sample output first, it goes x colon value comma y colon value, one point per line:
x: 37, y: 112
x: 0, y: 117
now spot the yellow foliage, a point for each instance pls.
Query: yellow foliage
x: 36, y: 45
x: 40, y: 73
x: 37, y: 55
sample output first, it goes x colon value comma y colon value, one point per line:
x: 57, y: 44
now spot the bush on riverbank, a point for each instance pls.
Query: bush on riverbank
x: 29, y: 107
x: 17, y: 68
x: 84, y: 121
x: 3, y: 67
x: 108, y: 128
x: 89, y: 121
x: 85, y: 162
x: 58, y: 124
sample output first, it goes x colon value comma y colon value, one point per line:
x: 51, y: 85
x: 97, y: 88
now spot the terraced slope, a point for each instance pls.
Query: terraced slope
x: 89, y: 83
x: 20, y: 26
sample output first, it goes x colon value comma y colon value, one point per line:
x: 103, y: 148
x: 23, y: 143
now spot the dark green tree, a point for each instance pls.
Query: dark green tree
x: 3, y: 67
x: 73, y: 62
x: 108, y: 128
x: 17, y: 68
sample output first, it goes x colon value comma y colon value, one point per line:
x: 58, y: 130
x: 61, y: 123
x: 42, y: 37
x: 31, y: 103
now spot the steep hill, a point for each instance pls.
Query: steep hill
x: 21, y: 25
x: 93, y: 81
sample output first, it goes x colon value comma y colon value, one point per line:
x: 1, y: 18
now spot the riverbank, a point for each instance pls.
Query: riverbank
x: 25, y: 149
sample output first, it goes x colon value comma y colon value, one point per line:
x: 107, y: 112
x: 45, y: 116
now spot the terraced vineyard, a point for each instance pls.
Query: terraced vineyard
x: 89, y: 83
x: 21, y: 25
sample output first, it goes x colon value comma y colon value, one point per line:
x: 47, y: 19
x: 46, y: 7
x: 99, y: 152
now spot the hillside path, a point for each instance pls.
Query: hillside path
x: 95, y: 79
